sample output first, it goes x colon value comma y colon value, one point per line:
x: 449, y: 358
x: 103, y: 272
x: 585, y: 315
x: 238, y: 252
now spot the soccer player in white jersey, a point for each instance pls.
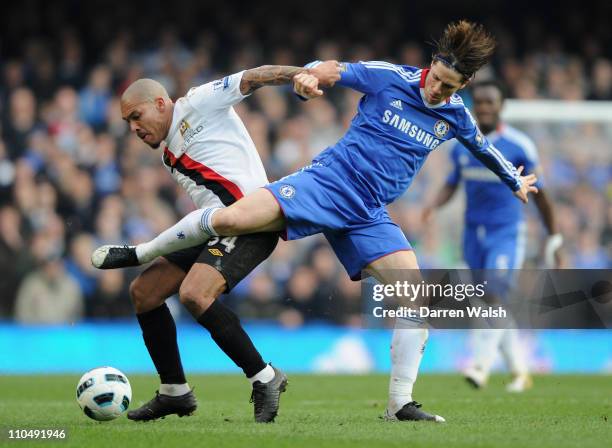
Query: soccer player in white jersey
x: 405, y: 113
x: 494, y: 233
x: 210, y: 153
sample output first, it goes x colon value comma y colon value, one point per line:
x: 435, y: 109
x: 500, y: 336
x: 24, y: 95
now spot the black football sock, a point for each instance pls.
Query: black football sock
x: 159, y: 334
x: 225, y: 329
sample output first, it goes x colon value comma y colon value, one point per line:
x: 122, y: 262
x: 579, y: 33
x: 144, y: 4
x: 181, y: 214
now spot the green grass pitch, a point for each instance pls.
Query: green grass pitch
x: 326, y: 411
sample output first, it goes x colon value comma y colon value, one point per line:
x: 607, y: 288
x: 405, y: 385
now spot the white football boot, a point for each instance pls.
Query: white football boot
x: 476, y: 378
x: 520, y: 383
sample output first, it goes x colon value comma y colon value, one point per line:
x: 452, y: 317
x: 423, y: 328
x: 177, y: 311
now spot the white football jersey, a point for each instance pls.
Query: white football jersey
x: 208, y: 149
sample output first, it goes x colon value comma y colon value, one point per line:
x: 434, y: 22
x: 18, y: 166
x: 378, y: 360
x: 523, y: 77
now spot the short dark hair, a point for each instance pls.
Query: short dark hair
x: 491, y: 83
x: 465, y: 47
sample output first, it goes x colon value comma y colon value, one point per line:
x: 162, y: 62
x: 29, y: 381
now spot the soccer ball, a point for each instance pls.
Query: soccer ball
x: 104, y: 393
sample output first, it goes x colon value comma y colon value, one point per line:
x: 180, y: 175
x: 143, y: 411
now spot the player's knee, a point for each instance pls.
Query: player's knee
x: 141, y: 296
x: 197, y: 298
x: 136, y: 294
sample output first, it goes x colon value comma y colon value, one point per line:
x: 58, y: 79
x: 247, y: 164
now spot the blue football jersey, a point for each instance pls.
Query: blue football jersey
x: 488, y: 200
x: 395, y: 129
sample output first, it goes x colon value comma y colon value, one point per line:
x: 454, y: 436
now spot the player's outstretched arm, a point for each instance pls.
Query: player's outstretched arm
x: 268, y: 75
x: 527, y: 186
x: 479, y: 146
x: 326, y: 73
x: 306, y: 86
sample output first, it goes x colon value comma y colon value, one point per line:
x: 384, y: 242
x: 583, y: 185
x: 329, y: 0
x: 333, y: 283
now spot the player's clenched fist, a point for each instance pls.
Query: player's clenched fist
x: 306, y: 85
x: 327, y: 73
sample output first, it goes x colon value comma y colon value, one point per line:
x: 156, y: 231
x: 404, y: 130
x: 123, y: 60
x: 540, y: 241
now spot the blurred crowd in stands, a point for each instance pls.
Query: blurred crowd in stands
x: 72, y: 177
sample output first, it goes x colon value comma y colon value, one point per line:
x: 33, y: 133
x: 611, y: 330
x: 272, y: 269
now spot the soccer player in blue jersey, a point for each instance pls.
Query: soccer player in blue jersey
x: 405, y: 114
x: 494, y: 233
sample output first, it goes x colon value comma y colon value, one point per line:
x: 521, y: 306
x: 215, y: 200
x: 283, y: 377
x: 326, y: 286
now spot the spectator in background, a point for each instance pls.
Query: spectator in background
x: 7, y: 174
x: 15, y: 258
x: 110, y: 299
x: 63, y: 121
x: 95, y: 97
x: 13, y: 78
x: 19, y: 122
x: 601, y: 87
x: 78, y: 265
x: 106, y: 174
x: 44, y: 82
x: 48, y: 295
x: 262, y: 299
x: 70, y: 68
x: 590, y: 254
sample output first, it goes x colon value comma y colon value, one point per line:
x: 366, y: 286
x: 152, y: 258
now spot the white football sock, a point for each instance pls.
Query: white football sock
x: 407, y: 347
x: 486, y: 346
x: 513, y: 353
x: 263, y: 376
x: 188, y: 232
x: 174, y: 390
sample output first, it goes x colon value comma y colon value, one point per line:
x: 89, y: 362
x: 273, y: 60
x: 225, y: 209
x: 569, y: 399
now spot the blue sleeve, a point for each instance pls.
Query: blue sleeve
x: 454, y: 177
x: 471, y: 137
x: 368, y: 77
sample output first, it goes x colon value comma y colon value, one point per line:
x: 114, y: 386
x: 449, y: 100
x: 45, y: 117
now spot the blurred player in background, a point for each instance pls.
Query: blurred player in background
x: 209, y: 153
x: 494, y: 234
x: 405, y: 113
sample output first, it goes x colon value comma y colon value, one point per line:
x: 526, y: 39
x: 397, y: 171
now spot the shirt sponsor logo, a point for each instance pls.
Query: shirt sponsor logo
x: 411, y: 130
x: 287, y: 191
x: 188, y: 133
x: 441, y: 128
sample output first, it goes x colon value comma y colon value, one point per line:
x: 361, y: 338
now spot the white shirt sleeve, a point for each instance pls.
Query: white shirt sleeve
x: 216, y: 95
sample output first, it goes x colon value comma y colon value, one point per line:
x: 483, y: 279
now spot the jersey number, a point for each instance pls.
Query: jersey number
x: 229, y: 242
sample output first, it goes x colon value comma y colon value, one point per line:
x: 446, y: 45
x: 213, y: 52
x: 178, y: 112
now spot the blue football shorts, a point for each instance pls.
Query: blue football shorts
x: 317, y: 199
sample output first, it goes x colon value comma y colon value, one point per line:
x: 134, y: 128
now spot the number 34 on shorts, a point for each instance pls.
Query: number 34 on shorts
x: 228, y: 243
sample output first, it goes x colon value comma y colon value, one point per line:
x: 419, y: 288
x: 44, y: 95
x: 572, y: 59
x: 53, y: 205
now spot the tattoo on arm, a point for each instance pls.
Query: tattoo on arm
x: 268, y: 75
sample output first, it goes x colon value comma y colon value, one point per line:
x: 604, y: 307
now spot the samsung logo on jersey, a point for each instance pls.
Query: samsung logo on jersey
x: 412, y: 130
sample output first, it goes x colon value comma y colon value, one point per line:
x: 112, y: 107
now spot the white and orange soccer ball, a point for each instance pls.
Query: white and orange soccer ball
x: 104, y: 393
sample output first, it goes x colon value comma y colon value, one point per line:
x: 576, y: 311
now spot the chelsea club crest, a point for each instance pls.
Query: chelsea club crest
x: 287, y: 191
x: 441, y: 128
x: 479, y: 139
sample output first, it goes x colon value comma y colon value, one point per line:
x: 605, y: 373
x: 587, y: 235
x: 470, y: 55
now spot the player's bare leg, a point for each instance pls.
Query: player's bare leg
x: 256, y: 212
x: 408, y: 341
